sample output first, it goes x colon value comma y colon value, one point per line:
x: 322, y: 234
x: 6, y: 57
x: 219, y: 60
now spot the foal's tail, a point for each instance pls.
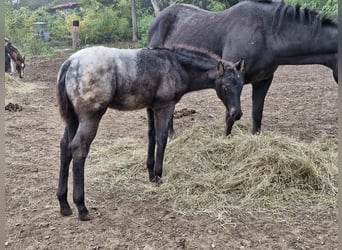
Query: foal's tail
x: 66, y: 108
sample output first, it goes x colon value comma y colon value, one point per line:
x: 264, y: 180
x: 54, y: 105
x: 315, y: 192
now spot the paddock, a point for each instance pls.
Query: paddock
x: 130, y: 212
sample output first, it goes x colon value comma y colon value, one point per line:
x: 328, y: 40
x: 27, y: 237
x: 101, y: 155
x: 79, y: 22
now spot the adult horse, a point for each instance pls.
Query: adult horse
x: 97, y: 78
x: 12, y: 54
x: 265, y: 34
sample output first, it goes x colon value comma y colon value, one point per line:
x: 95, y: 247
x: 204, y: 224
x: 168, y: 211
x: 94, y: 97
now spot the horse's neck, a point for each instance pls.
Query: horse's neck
x: 13, y: 52
x: 195, y: 60
x: 300, y: 36
x: 197, y: 64
x: 306, y: 47
x: 199, y: 80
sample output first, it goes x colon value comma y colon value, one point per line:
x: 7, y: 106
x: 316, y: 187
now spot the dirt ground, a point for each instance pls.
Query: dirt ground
x: 302, y: 102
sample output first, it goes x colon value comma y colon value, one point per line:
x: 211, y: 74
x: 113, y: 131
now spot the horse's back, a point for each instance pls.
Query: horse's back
x: 190, y: 25
x: 173, y: 24
x: 238, y: 32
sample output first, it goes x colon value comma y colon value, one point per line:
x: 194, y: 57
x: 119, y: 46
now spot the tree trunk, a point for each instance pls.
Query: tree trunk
x: 156, y: 8
x: 134, y: 21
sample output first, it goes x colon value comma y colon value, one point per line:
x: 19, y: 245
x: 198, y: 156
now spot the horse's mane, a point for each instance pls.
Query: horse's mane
x: 199, y: 57
x: 300, y: 15
x: 11, y: 49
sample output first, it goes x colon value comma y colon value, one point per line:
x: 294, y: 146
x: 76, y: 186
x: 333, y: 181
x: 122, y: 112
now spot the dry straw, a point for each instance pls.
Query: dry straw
x: 206, y: 172
x: 13, y: 86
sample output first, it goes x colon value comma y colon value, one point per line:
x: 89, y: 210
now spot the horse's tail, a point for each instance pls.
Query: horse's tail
x: 66, y: 108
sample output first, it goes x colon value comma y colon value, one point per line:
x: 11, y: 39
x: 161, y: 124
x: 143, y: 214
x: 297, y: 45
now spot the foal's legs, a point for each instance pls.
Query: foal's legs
x: 80, y: 145
x: 65, y: 158
x: 162, y: 119
x: 151, y: 143
x: 259, y: 91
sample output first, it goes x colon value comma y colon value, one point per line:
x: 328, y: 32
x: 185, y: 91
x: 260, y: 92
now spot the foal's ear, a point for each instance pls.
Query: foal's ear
x: 240, y: 65
x: 220, y: 68
x: 24, y: 57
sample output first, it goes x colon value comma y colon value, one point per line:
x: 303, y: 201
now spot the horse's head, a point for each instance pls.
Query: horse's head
x: 229, y: 80
x: 20, y: 65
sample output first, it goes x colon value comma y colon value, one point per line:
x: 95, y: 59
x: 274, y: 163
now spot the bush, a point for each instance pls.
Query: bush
x: 325, y: 7
x: 145, y: 20
x: 103, y: 24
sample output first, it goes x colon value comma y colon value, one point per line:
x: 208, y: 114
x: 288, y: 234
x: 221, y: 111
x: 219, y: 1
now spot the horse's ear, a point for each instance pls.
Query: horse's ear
x: 240, y: 65
x: 24, y: 57
x: 220, y: 68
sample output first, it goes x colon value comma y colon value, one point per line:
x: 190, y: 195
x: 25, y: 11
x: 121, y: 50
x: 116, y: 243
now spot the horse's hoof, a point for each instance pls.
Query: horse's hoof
x: 158, y: 180
x: 170, y: 136
x: 84, y: 217
x: 151, y: 177
x: 154, y: 178
x: 66, y: 211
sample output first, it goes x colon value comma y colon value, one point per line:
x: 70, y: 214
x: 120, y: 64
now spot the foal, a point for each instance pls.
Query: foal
x: 97, y: 78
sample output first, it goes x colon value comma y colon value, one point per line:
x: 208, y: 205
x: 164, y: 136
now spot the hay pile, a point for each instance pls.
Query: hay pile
x: 13, y: 85
x: 205, y: 172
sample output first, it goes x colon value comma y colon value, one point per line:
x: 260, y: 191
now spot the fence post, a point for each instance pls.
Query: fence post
x: 75, y: 33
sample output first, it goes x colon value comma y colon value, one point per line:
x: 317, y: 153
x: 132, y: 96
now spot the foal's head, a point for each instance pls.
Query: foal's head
x: 20, y: 65
x: 228, y: 84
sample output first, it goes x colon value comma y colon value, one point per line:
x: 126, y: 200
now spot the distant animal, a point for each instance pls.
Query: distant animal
x: 12, y: 55
x: 8, y: 66
x: 264, y: 33
x: 97, y: 78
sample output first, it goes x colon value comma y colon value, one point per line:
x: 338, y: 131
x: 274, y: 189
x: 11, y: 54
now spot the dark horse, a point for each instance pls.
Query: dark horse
x: 13, y: 54
x: 8, y: 66
x: 97, y: 78
x: 265, y: 34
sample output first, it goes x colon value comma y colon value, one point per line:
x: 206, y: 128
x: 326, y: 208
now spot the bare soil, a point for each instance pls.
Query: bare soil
x: 302, y: 102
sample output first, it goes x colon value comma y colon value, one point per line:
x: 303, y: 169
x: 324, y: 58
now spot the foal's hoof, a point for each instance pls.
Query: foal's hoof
x: 84, y: 217
x: 66, y: 211
x: 158, y: 180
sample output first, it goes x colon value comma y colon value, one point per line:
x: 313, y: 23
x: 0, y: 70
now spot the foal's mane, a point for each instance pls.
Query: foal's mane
x: 300, y: 15
x: 199, y: 57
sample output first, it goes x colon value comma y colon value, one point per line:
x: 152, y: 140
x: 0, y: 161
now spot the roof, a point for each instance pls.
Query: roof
x: 69, y: 5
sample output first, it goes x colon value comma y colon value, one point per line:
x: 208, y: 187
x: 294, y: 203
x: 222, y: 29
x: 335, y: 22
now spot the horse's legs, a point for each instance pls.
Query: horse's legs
x: 65, y: 158
x: 259, y: 91
x: 80, y: 145
x: 12, y: 66
x: 151, y: 143
x: 162, y: 119
x: 7, y: 63
x: 171, y: 129
x: 334, y: 66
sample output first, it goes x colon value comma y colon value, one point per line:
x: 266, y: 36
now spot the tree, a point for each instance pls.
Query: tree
x: 156, y: 7
x: 134, y: 21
